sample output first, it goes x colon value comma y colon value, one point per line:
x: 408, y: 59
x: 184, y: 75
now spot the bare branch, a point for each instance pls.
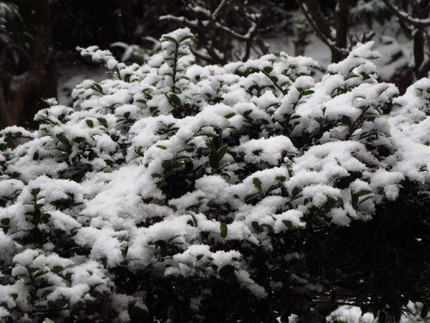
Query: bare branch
x: 218, y: 9
x: 323, y: 36
x: 405, y: 17
x: 313, y: 10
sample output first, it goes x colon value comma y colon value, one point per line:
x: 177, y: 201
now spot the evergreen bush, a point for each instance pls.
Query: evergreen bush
x: 245, y: 192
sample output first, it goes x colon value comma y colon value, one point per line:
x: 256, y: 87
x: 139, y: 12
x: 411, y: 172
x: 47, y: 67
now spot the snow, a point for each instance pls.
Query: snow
x: 171, y: 193
x: 269, y: 150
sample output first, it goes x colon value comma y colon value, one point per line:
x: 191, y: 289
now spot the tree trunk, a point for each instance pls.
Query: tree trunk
x: 22, y: 95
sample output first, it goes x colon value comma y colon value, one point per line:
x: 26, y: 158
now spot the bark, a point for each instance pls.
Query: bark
x: 320, y: 24
x: 342, y: 26
x: 21, y: 95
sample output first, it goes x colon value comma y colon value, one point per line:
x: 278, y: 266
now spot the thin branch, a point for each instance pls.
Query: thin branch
x: 405, y: 17
x: 218, y: 9
x: 326, y: 39
x: 313, y: 9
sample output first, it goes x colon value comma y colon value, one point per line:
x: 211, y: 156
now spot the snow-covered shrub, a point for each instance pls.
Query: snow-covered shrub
x: 248, y: 192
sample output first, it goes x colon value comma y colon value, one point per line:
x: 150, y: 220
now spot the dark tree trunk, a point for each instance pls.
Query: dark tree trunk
x: 22, y: 95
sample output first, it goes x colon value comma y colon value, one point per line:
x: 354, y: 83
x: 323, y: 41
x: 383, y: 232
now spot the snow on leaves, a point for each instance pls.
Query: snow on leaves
x: 164, y: 168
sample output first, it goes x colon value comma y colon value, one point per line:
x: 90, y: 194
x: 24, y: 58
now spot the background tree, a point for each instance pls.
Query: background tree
x: 250, y: 191
x: 28, y: 68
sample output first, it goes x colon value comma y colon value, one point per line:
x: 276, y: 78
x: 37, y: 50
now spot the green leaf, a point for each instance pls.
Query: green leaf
x: 97, y: 87
x: 221, y: 153
x: 355, y: 196
x: 79, y: 139
x: 5, y: 221
x: 257, y: 183
x: 124, y: 251
x: 288, y: 224
x: 257, y: 226
x: 331, y: 203
x: 90, y: 123
x: 183, y: 38
x: 223, y: 229
x: 230, y: 115
x: 61, y: 137
x: 45, y: 217
x: 267, y: 226
x: 227, y: 271
x: 363, y: 192
x: 190, y: 222
x: 166, y: 164
x: 346, y: 121
x: 175, y: 100
x: 307, y: 92
x: 51, y: 304
x: 295, y: 192
x: 161, y: 147
x: 35, y: 191
x: 137, y: 314
x: 268, y: 69
x: 60, y: 303
x: 249, y: 197
x: 102, y: 121
x: 57, y: 269
x: 171, y: 39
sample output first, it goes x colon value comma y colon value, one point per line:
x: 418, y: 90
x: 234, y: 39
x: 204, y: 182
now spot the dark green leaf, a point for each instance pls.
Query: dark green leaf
x: 63, y: 139
x: 79, y: 139
x: 171, y: 39
x: 166, y: 164
x: 183, y: 38
x: 60, y: 303
x: 346, y: 121
x: 296, y: 191
x: 5, y: 221
x: 230, y: 115
x: 331, y: 203
x: 249, y: 197
x: 221, y: 153
x: 45, y: 217
x: 57, y: 269
x: 257, y: 226
x: 35, y: 191
x: 137, y: 314
x: 268, y: 69
x: 102, y: 121
x: 227, y: 271
x: 97, y: 87
x: 288, y: 224
x: 90, y: 123
x: 308, y: 92
x: 175, y: 100
x: 267, y: 226
x: 257, y: 183
x: 223, y: 229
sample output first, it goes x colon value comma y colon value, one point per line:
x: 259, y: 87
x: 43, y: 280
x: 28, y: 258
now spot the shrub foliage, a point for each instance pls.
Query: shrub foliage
x: 249, y: 191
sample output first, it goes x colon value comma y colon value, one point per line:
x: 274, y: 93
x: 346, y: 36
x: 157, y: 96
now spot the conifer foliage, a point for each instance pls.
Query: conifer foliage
x: 250, y: 191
